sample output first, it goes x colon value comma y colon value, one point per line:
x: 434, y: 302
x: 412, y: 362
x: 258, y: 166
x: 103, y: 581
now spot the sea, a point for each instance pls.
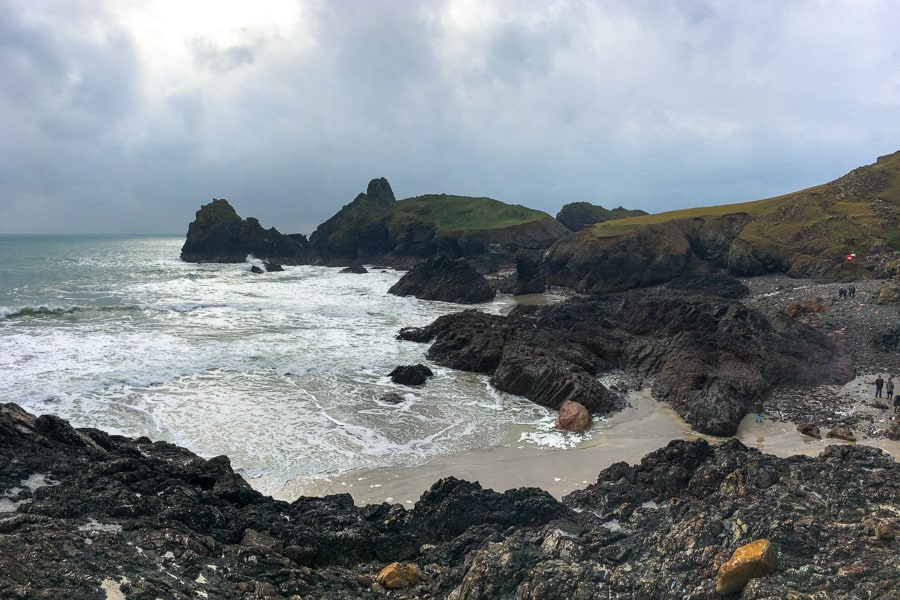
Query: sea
x: 283, y: 372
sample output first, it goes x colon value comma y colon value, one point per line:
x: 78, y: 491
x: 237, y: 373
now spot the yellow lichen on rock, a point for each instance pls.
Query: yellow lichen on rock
x: 756, y: 559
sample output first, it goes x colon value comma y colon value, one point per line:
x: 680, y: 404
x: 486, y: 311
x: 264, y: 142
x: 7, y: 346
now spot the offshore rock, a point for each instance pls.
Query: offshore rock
x: 411, y: 374
x: 446, y: 280
x: 218, y: 234
x: 708, y: 356
x: 84, y: 514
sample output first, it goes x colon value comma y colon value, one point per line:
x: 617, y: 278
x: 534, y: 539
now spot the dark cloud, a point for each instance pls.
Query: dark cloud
x: 655, y: 106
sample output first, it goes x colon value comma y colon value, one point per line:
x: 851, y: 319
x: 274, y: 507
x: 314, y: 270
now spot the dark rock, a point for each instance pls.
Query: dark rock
x: 256, y: 269
x: 392, y: 398
x: 446, y: 280
x: 577, y: 215
x: 717, y: 284
x: 810, y: 429
x: 411, y: 374
x: 707, y: 356
x: 218, y: 234
x: 117, y: 516
x: 529, y: 279
x: 358, y: 269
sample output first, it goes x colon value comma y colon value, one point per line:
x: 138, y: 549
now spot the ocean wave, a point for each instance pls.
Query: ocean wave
x: 62, y: 311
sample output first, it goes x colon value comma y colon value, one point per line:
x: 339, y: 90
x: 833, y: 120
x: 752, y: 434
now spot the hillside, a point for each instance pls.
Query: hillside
x: 809, y: 233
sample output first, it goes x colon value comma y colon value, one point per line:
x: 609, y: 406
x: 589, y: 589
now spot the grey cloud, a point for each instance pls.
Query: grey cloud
x: 221, y: 60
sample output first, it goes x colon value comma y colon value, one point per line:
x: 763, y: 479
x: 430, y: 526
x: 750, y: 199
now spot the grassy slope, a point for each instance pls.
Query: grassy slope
x: 461, y: 213
x: 853, y: 213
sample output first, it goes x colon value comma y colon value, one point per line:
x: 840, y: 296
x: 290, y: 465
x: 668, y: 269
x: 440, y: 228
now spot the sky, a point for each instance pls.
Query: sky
x: 126, y: 116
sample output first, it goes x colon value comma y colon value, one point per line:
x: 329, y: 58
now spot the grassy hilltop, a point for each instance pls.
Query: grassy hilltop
x: 808, y: 233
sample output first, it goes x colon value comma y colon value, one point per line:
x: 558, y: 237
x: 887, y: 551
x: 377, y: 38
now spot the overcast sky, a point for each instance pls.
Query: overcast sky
x: 125, y: 116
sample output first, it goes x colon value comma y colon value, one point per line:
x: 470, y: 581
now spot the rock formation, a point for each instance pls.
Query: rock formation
x: 411, y: 374
x: 709, y: 357
x: 443, y: 279
x: 218, y: 234
x: 84, y: 514
x: 577, y: 215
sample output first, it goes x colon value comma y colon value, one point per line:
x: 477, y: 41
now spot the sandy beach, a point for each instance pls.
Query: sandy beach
x: 647, y: 425
x: 626, y: 436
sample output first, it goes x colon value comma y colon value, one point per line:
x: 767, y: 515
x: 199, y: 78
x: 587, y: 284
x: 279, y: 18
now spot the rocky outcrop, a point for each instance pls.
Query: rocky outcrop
x: 218, y: 234
x: 708, y: 356
x: 84, y: 514
x: 577, y: 215
x: 411, y: 374
x: 446, y: 280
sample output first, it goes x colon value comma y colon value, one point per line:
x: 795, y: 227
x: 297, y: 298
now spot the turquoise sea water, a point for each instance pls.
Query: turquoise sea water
x: 283, y: 372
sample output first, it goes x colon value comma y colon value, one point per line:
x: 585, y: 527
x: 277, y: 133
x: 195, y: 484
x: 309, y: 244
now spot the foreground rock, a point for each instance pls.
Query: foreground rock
x: 444, y: 279
x: 84, y: 514
x: 709, y: 357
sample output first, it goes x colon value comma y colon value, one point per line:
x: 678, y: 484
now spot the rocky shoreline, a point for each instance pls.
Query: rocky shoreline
x: 85, y: 514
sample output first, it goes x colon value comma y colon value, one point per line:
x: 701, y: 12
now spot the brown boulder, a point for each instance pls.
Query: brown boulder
x: 810, y: 429
x: 573, y: 417
x: 841, y: 433
x: 756, y: 559
x: 396, y: 575
x: 795, y: 309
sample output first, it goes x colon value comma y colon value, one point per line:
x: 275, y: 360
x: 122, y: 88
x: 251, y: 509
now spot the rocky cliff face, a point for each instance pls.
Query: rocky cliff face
x: 804, y: 234
x: 218, y: 234
x: 84, y: 514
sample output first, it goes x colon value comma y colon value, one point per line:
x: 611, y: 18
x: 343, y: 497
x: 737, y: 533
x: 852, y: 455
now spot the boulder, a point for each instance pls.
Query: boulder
x: 357, y: 269
x: 756, y: 559
x: 810, y: 429
x: 446, y: 280
x: 573, y: 417
x: 796, y: 309
x: 396, y: 576
x: 411, y: 374
x: 841, y: 433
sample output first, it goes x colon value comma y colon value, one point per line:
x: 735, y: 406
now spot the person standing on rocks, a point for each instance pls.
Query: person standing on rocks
x: 889, y: 387
x: 759, y: 407
x: 879, y: 383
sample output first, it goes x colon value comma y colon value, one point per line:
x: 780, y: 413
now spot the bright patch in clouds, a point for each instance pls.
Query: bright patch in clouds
x: 126, y: 116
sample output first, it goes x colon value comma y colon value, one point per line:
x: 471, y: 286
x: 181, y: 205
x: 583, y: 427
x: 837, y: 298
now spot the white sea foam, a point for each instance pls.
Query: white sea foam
x: 284, y: 372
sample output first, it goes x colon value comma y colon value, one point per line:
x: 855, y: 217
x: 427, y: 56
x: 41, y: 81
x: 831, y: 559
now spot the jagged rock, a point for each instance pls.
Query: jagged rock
x: 357, y: 269
x: 756, y: 559
x: 397, y: 576
x: 411, y: 374
x: 841, y: 433
x: 887, y: 340
x: 152, y: 520
x: 218, y: 234
x: 707, y: 356
x: 888, y: 294
x: 529, y: 279
x: 573, y: 417
x: 446, y: 280
x: 576, y: 215
x: 810, y: 429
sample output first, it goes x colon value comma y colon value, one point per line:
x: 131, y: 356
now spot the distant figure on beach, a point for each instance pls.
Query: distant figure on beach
x: 842, y: 293
x: 889, y: 387
x: 852, y: 291
x: 879, y: 383
x: 897, y: 405
x: 759, y: 408
x: 549, y: 288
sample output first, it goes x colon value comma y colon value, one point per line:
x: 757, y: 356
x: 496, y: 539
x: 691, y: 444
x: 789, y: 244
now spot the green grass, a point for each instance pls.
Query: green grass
x: 462, y: 213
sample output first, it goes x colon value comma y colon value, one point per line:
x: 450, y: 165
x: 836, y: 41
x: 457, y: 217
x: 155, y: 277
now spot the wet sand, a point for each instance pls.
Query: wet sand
x: 626, y: 436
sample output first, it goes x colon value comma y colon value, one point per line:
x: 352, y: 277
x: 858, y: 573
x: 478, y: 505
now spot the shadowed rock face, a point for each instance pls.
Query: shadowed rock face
x: 709, y: 357
x: 446, y: 280
x: 577, y: 215
x: 218, y: 234
x: 83, y: 512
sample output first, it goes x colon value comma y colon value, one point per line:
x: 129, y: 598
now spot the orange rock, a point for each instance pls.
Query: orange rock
x: 396, y: 575
x: 756, y: 559
x: 573, y: 416
x: 842, y: 433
